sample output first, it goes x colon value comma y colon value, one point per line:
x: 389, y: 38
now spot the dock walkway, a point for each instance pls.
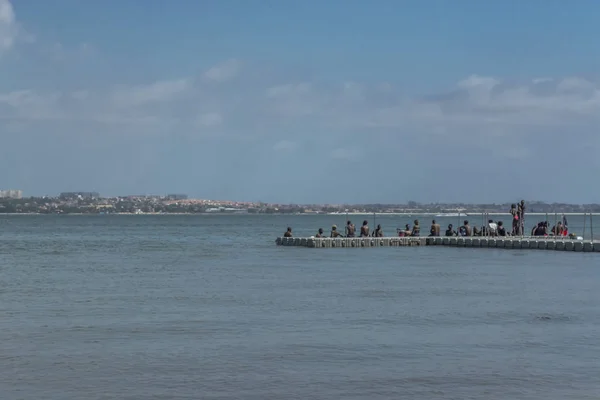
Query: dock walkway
x: 506, y: 242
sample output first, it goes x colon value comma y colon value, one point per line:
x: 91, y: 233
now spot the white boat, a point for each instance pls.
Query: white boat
x: 448, y: 215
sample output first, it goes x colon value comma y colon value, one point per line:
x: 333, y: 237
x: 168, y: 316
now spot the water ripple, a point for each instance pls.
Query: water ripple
x: 188, y: 307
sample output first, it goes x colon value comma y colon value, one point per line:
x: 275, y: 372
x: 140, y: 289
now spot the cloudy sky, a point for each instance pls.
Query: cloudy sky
x: 337, y: 101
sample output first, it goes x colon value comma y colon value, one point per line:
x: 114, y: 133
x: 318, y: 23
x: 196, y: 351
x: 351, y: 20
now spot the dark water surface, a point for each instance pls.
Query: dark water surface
x: 207, y: 307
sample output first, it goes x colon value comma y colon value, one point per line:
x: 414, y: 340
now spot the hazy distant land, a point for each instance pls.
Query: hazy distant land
x: 77, y: 204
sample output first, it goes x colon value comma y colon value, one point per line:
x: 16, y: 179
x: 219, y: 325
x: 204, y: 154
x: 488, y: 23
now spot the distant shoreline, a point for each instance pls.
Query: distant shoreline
x: 421, y: 214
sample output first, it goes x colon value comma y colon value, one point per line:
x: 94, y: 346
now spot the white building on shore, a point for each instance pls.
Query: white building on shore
x: 11, y: 194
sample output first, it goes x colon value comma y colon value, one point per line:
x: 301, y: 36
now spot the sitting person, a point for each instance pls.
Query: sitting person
x: 404, y: 232
x: 319, y: 233
x: 288, y: 233
x: 364, y: 229
x: 540, y: 229
x: 378, y: 231
x: 558, y: 229
x: 465, y: 229
x: 450, y: 231
x: 416, y: 230
x: 492, y: 228
x: 350, y: 229
x: 335, y: 233
x: 435, y: 229
x: 501, y: 230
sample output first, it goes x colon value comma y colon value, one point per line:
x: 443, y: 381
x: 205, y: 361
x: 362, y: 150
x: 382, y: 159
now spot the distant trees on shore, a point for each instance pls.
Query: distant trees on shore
x: 51, y: 205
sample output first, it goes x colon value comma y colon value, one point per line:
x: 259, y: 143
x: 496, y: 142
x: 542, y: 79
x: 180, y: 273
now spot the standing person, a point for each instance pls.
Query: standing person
x: 565, y: 226
x: 521, y: 215
x: 501, y: 230
x: 515, y: 219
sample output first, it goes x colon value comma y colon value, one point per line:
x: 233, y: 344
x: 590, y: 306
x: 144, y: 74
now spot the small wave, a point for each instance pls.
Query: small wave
x: 54, y: 252
x: 549, y: 317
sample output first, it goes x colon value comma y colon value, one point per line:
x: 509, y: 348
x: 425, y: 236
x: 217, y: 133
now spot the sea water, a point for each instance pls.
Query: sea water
x: 207, y: 307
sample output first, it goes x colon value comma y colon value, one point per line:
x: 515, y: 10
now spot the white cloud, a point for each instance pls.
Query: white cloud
x: 348, y: 154
x: 80, y: 95
x: 479, y: 88
x: 338, y: 122
x: 476, y: 81
x: 575, y: 85
x: 288, y: 90
x: 75, y: 98
x: 8, y: 26
x: 11, y: 31
x: 477, y: 105
x: 58, y: 52
x: 295, y: 100
x: 127, y: 96
x: 223, y: 72
x: 29, y: 105
x: 285, y: 145
x: 210, y: 119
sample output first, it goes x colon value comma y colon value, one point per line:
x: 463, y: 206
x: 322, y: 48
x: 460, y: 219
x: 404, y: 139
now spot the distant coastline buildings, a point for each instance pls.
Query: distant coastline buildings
x: 11, y: 194
x: 177, y: 197
x: 86, y: 202
x: 79, y: 195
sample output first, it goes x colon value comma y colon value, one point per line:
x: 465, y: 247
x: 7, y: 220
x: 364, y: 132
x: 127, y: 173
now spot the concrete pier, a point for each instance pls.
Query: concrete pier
x: 503, y: 242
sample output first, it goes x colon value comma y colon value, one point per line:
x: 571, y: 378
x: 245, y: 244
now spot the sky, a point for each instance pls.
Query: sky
x: 349, y: 101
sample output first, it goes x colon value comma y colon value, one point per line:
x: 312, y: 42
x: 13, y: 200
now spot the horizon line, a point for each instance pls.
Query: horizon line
x: 416, y: 205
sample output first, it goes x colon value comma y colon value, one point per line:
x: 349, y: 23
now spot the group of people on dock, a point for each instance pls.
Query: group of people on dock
x: 349, y: 231
x: 492, y: 228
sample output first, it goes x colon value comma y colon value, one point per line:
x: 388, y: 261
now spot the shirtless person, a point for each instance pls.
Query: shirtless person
x: 364, y: 229
x: 350, y: 229
x: 465, y: 229
x: 435, y: 229
x: 416, y: 229
x: 334, y: 232
x: 521, y: 215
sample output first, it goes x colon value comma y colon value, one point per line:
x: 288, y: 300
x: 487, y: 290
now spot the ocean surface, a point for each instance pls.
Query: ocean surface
x: 207, y: 307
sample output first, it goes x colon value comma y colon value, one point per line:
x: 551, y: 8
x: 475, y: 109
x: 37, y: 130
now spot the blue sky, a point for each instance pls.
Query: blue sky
x: 338, y: 101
